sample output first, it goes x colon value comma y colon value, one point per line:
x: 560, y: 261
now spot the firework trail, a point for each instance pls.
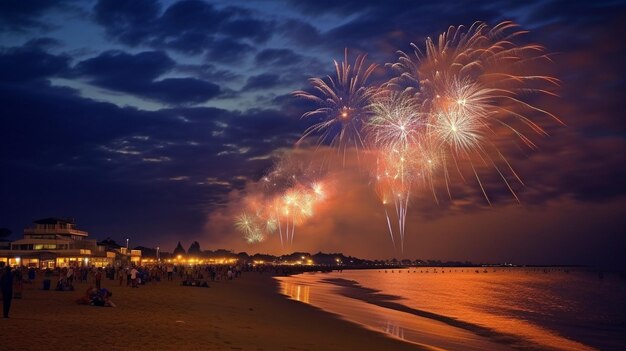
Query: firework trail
x: 395, y: 128
x: 291, y: 191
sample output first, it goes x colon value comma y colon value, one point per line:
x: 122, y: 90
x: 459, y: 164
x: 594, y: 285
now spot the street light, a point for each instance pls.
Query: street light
x: 127, y: 243
x: 158, y: 259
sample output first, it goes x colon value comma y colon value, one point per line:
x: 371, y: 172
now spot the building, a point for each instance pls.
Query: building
x: 56, y: 242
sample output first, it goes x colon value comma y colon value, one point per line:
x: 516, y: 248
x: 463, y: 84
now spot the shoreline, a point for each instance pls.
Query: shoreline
x: 364, y: 312
x: 248, y: 313
x: 366, y: 306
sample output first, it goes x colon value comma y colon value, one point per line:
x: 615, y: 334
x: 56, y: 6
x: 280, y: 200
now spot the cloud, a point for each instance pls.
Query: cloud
x: 130, y: 22
x: 228, y: 51
x: 138, y: 74
x: 262, y: 81
x: 113, y: 67
x: 192, y: 16
x: 19, y: 16
x: 249, y: 28
x: 277, y: 57
x: 30, y: 62
x: 209, y: 72
x: 301, y: 33
x: 181, y: 90
x: 188, y: 26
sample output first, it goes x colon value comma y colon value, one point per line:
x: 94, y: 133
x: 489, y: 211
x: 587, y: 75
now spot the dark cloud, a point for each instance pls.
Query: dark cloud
x: 277, y: 57
x: 576, y: 14
x: 314, y: 7
x: 188, y: 26
x: 191, y: 16
x: 114, y: 67
x: 262, y: 81
x: 209, y: 72
x: 137, y: 74
x: 43, y: 43
x: 129, y: 21
x: 180, y: 90
x: 30, y: 62
x: 301, y: 33
x: 249, y: 28
x: 193, y: 43
x: 229, y: 51
x: 382, y: 28
x: 21, y: 15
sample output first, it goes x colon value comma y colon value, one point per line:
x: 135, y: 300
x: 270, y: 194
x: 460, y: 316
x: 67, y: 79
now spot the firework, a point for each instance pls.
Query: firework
x: 450, y: 105
x: 250, y: 228
x: 470, y: 85
x: 342, y: 104
x: 290, y: 195
x: 396, y: 121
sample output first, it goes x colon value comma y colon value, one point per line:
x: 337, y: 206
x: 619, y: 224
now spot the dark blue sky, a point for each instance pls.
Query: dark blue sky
x: 140, y: 118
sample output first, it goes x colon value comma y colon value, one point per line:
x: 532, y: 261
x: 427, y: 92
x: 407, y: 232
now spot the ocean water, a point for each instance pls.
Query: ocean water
x: 476, y: 309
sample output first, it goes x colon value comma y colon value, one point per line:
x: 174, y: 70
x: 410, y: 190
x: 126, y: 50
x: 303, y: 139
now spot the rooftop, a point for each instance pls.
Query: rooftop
x: 55, y: 220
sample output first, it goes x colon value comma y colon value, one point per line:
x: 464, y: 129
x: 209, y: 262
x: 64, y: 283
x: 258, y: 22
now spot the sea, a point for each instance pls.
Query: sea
x: 475, y: 308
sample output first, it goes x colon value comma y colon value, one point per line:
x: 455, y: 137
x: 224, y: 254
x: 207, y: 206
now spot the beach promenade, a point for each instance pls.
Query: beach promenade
x: 243, y: 314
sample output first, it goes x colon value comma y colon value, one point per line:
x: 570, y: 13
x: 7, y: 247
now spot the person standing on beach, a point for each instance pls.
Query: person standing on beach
x: 98, y: 278
x: 6, y: 286
x: 120, y: 275
x: 170, y: 272
x: 133, y: 277
x: 70, y: 276
x: 31, y: 274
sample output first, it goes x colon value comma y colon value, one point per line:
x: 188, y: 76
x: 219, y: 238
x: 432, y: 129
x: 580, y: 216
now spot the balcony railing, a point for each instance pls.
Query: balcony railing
x: 30, y: 231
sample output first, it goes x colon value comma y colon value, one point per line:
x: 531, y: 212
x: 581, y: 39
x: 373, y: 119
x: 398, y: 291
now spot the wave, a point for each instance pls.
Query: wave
x: 352, y: 289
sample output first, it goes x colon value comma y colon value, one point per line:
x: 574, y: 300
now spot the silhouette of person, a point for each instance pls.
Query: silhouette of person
x: 6, y: 285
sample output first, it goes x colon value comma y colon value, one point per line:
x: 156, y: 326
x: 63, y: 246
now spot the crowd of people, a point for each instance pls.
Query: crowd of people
x: 12, y: 280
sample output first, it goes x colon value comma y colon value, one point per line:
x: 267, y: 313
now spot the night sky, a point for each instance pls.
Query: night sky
x: 151, y: 119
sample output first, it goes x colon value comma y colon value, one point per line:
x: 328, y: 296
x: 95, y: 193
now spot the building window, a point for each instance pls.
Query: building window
x: 45, y: 246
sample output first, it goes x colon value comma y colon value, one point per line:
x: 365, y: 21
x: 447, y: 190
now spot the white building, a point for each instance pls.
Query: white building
x: 55, y: 242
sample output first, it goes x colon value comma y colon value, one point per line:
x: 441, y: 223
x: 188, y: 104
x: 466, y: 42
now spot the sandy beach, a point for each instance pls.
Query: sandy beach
x: 244, y: 314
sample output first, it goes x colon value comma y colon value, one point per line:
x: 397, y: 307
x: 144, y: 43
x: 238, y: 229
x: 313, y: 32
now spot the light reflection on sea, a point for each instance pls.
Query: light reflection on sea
x: 498, y: 309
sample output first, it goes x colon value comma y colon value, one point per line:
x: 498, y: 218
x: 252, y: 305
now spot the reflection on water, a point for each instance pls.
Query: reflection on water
x: 296, y: 292
x: 394, y: 329
x: 538, y: 309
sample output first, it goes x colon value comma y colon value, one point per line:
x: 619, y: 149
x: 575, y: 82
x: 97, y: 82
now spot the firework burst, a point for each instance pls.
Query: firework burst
x: 342, y: 102
x: 471, y: 83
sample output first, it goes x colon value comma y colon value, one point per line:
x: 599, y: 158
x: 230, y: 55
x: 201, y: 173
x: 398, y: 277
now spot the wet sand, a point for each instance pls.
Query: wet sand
x: 244, y: 314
